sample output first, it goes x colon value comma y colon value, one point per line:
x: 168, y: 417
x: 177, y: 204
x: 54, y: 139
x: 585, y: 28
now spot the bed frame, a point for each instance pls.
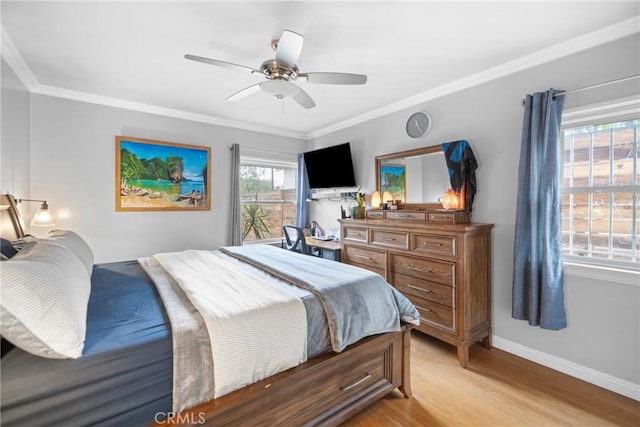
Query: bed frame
x: 326, y: 390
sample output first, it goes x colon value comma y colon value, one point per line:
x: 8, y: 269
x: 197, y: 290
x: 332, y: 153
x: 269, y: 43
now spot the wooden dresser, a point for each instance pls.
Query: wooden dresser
x: 442, y: 267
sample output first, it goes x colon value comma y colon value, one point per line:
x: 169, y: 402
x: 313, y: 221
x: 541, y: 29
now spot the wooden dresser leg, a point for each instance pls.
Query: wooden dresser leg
x: 405, y: 388
x: 463, y: 355
x: 486, y: 341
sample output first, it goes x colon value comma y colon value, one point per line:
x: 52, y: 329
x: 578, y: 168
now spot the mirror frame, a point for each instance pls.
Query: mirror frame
x: 409, y: 153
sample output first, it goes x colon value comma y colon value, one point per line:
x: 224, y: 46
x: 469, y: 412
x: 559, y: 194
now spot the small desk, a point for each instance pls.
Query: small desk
x: 329, y: 249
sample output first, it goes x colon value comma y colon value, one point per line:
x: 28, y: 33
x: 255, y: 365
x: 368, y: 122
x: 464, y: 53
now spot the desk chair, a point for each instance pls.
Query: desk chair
x: 294, y: 240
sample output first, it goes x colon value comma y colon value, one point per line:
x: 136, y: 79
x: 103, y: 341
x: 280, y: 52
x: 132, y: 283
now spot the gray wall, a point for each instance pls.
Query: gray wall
x: 15, y: 177
x: 604, y: 317
x: 73, y: 165
x: 64, y: 150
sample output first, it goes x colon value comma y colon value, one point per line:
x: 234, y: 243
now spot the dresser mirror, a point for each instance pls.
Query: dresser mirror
x: 426, y: 177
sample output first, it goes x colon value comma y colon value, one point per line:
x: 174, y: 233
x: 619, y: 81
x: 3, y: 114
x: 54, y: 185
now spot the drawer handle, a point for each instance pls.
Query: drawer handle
x: 418, y: 289
x: 390, y: 239
x: 357, y: 383
x: 421, y: 308
x: 410, y: 267
x: 363, y: 257
x: 431, y: 244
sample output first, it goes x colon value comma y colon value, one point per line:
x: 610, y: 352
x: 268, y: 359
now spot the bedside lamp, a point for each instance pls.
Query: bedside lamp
x: 42, y: 218
x: 375, y: 200
x: 387, y: 197
x: 450, y: 200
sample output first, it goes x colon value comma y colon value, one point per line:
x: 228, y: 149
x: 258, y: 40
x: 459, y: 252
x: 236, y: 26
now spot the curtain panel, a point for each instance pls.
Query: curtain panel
x: 302, y: 194
x: 235, y: 236
x: 538, y: 284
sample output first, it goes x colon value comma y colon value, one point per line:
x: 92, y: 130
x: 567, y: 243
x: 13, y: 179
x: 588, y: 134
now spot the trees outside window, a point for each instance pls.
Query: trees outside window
x: 268, y: 200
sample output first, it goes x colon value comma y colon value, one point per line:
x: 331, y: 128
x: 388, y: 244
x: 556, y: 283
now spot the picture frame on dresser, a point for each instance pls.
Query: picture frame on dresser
x: 393, y: 180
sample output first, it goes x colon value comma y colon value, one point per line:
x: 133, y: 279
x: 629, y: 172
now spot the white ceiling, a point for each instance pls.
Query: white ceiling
x: 131, y: 54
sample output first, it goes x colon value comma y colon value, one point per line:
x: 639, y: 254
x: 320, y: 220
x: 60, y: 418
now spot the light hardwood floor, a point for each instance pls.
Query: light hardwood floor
x: 498, y: 389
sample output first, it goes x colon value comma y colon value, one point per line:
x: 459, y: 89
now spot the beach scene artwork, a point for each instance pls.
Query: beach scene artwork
x: 393, y: 180
x: 157, y: 175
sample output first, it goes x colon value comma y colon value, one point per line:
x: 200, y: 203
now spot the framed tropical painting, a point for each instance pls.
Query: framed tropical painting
x: 393, y: 180
x: 161, y: 176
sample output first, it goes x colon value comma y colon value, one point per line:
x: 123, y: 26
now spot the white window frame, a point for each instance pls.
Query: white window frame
x: 271, y: 163
x: 612, y: 111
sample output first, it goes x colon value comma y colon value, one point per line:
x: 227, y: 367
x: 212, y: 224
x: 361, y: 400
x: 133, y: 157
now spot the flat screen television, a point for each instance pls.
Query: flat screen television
x: 330, y: 167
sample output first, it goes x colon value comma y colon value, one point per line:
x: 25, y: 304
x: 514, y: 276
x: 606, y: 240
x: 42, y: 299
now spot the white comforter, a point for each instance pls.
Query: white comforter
x: 255, y: 329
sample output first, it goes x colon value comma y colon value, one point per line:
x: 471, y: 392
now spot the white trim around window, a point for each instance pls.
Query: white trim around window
x: 603, y: 273
x: 623, y: 109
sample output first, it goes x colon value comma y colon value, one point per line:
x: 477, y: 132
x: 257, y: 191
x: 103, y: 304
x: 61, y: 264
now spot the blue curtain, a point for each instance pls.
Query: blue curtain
x: 302, y: 194
x: 538, y: 288
x: 235, y: 231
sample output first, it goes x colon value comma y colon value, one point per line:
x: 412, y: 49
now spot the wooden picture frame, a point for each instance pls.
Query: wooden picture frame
x: 161, y: 176
x: 393, y: 179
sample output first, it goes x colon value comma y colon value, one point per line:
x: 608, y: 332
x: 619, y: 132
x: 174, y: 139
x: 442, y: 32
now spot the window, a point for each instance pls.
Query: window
x: 268, y: 193
x: 600, y: 187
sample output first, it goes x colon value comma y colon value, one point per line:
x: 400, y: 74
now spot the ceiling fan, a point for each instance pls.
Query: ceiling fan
x: 282, y: 71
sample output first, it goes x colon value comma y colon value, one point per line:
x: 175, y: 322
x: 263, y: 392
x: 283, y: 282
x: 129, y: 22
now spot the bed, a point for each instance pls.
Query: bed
x: 125, y: 372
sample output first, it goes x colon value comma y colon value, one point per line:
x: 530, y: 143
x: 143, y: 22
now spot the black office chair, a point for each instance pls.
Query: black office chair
x: 294, y: 240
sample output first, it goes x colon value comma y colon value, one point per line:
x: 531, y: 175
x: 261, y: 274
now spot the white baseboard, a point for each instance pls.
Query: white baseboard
x: 609, y: 382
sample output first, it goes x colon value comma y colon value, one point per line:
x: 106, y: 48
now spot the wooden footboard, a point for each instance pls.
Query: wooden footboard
x: 326, y: 390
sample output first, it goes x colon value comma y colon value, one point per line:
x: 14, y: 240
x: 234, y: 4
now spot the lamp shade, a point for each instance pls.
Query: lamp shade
x: 387, y: 197
x: 375, y: 200
x: 43, y: 218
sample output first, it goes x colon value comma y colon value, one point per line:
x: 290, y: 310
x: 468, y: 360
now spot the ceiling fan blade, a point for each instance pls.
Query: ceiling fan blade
x: 289, y: 48
x: 219, y: 63
x: 243, y: 93
x: 303, y: 99
x: 335, y: 78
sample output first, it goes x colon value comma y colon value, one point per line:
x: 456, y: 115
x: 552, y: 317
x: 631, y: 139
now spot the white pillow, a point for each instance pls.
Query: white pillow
x: 45, y: 294
x: 76, y: 244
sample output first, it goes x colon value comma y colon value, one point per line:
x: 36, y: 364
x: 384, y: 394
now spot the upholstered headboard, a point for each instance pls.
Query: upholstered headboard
x: 11, y: 224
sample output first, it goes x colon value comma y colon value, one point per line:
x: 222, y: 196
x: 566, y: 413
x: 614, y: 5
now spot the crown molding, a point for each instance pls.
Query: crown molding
x: 613, y: 32
x: 153, y: 109
x: 11, y: 54
x: 577, y: 44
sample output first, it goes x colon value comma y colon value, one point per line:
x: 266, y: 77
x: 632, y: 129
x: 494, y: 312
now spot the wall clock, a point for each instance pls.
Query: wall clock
x: 418, y: 124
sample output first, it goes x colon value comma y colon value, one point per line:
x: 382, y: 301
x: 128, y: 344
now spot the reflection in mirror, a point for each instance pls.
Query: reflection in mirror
x: 425, y: 176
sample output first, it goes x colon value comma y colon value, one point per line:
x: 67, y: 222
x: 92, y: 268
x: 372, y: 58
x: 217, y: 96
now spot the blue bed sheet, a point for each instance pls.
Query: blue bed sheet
x: 125, y: 374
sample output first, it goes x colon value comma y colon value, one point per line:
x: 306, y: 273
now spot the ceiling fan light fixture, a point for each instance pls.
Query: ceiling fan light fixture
x: 279, y: 88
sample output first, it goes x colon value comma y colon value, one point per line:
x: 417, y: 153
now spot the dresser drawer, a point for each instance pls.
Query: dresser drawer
x: 448, y: 217
x: 354, y: 378
x: 375, y: 214
x: 442, y: 294
x: 369, y: 258
x: 356, y: 234
x: 434, y: 313
x: 428, y: 269
x: 409, y: 216
x: 392, y: 239
x: 432, y: 244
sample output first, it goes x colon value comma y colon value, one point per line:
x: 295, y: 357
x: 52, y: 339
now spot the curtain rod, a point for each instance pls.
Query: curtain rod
x: 256, y: 150
x: 580, y: 89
